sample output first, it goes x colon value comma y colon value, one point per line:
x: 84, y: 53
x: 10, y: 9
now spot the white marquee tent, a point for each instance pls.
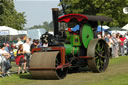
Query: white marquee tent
x: 4, y: 30
x: 125, y: 27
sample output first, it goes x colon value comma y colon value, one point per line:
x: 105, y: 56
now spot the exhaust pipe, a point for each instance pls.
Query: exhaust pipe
x: 55, y: 20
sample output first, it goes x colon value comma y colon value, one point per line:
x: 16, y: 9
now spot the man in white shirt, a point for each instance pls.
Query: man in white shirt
x: 26, y: 48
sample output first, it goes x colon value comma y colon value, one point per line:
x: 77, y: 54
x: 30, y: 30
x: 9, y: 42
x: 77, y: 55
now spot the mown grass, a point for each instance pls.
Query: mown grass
x: 13, y: 80
x: 119, y: 60
x: 121, y: 79
x: 116, y: 74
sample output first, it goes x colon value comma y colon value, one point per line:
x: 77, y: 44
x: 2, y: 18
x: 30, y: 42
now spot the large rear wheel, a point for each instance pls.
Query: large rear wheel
x: 98, y: 49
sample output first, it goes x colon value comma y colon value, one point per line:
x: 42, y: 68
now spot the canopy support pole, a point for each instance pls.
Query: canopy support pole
x: 101, y: 28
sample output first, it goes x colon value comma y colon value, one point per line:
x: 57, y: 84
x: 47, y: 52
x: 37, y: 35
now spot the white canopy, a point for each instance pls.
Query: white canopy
x: 125, y: 27
x: 24, y: 32
x: 4, y: 30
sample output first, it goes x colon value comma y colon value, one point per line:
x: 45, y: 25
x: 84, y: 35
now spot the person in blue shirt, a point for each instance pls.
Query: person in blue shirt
x: 74, y: 25
x: 76, y: 28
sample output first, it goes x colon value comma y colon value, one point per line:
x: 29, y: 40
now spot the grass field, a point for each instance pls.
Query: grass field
x: 116, y: 74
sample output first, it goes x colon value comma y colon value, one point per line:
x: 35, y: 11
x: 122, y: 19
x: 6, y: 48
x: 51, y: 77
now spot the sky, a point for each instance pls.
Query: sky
x: 36, y: 11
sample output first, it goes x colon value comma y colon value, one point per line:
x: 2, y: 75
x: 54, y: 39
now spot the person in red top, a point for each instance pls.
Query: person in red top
x: 122, y: 39
x: 20, y: 59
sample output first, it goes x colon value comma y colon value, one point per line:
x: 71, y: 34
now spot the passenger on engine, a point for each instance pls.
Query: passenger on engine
x: 74, y: 26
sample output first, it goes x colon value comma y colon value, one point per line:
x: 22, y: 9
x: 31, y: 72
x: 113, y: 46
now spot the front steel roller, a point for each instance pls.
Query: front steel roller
x: 43, y: 65
x: 98, y: 49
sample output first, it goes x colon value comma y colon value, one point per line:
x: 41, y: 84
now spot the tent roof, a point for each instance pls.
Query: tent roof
x: 125, y: 27
x: 11, y: 30
x: 6, y: 28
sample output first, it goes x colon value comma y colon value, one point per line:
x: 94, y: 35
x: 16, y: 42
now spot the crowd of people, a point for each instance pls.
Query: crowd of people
x: 117, y: 43
x: 19, y: 52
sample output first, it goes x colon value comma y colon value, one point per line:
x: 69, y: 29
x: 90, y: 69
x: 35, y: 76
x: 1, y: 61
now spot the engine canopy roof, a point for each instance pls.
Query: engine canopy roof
x: 80, y: 17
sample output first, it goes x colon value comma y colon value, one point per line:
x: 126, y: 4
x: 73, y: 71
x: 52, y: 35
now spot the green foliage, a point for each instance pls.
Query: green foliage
x: 110, y: 8
x: 9, y: 16
x: 46, y: 25
x: 36, y: 27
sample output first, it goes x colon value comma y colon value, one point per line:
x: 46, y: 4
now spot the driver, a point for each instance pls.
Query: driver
x: 73, y: 25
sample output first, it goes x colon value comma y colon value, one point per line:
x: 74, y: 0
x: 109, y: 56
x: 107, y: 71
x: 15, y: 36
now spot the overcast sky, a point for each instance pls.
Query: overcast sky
x: 36, y: 11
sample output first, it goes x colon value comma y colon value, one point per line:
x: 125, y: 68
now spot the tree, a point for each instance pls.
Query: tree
x: 46, y: 25
x: 36, y: 27
x: 9, y: 16
x: 111, y: 8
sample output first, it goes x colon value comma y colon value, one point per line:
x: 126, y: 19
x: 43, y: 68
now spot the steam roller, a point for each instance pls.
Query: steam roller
x: 72, y: 47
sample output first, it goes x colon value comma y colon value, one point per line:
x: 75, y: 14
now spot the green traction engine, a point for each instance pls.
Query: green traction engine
x: 73, y: 47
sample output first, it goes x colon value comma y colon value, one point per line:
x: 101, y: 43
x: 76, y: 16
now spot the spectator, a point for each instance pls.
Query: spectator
x: 19, y: 42
x: 7, y: 47
x: 122, y: 39
x: 118, y: 40
x: 108, y: 39
x: 4, y: 52
x: 127, y: 42
x: 13, y: 51
x: 35, y: 44
x: 30, y: 41
x: 99, y: 36
x: 26, y: 48
x: 115, y: 46
x: 20, y: 60
x: 6, y: 64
